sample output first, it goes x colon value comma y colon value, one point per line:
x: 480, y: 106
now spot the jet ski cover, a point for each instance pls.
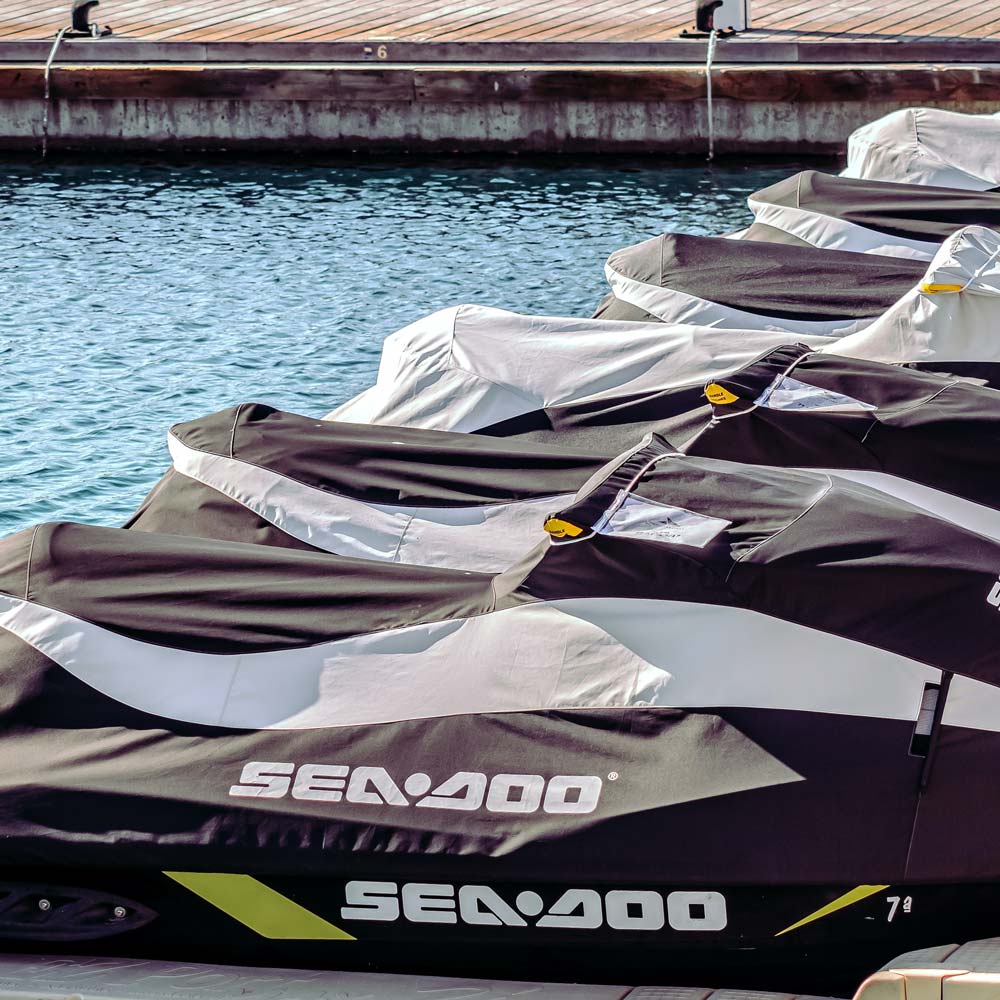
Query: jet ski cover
x: 736, y: 643
x: 926, y: 438
x: 713, y: 281
x: 928, y: 146
x: 880, y: 217
x: 471, y: 368
x: 254, y: 474
x: 493, y: 372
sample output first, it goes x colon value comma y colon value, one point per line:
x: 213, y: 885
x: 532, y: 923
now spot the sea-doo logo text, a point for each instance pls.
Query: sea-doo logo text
x: 994, y: 596
x: 575, y: 909
x: 464, y: 790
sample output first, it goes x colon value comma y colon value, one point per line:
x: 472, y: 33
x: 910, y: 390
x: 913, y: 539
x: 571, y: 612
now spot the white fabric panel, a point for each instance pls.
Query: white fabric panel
x: 732, y: 657
x: 528, y: 658
x: 581, y: 653
x: 966, y: 514
x: 940, y: 326
x: 928, y: 146
x: 631, y: 516
x: 486, y: 538
x: 787, y: 393
x: 466, y: 368
x: 972, y: 704
x: 673, y: 306
x: 420, y: 371
x: 830, y: 233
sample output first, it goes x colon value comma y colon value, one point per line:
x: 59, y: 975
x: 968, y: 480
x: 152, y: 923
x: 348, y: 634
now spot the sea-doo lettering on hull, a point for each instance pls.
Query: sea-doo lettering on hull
x: 575, y: 909
x: 464, y: 790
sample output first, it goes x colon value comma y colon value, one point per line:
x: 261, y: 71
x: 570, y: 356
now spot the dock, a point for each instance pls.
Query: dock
x: 466, y: 76
x: 969, y: 971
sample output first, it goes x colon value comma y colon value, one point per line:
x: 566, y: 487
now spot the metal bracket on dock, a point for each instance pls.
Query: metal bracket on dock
x: 719, y: 18
x: 80, y: 26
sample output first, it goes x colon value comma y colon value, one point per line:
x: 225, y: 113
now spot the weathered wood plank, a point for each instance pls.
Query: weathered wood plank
x: 484, y: 20
x: 740, y: 50
x: 489, y: 85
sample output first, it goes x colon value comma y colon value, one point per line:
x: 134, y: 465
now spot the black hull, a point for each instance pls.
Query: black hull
x: 805, y: 939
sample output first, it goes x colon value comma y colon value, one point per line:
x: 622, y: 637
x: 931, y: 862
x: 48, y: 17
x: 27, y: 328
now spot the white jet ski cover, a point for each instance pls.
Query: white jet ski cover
x: 255, y: 474
x: 738, y: 284
x: 950, y: 322
x: 738, y: 644
x: 472, y: 369
x: 929, y: 439
x: 880, y: 217
x: 928, y: 146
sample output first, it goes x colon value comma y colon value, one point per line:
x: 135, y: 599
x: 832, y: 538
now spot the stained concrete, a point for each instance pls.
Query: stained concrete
x: 774, y: 109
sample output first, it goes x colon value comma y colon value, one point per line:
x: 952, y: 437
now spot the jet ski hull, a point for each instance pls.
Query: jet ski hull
x: 468, y: 919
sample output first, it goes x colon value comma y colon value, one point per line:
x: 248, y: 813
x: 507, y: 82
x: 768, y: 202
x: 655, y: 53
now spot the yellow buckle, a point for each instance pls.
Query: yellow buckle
x: 716, y: 393
x: 558, y: 528
x: 932, y: 289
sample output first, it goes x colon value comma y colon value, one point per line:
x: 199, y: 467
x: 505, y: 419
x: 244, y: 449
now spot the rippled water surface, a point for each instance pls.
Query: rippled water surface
x: 136, y: 296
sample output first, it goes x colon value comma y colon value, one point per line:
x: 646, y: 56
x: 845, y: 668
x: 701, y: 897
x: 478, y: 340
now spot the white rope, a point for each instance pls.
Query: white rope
x: 48, y: 77
x: 713, y: 36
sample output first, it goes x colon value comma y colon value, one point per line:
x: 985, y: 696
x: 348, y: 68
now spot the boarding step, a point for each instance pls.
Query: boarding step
x: 968, y: 971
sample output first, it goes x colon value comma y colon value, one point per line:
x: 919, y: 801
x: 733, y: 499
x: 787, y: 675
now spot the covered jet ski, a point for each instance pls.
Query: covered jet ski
x: 928, y: 146
x: 866, y: 216
x: 255, y: 474
x: 471, y: 368
x: 696, y: 729
x: 737, y: 284
x: 928, y: 439
x: 494, y: 372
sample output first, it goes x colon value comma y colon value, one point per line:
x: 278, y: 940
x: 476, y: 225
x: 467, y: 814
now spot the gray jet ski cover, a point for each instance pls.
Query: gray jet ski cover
x: 881, y: 217
x: 741, y: 284
x: 473, y: 369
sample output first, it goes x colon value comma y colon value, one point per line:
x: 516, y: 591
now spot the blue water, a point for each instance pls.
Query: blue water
x: 137, y: 296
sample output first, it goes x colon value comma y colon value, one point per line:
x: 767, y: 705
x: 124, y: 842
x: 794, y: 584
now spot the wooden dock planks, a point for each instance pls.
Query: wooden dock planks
x: 501, y: 20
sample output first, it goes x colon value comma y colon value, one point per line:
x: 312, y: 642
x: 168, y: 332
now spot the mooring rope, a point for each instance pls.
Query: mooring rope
x: 48, y: 78
x: 713, y: 35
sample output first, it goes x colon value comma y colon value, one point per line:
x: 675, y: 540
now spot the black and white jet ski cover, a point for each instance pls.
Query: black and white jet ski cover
x: 740, y: 284
x: 929, y: 439
x: 880, y: 217
x: 735, y: 672
x: 432, y: 498
x: 928, y: 146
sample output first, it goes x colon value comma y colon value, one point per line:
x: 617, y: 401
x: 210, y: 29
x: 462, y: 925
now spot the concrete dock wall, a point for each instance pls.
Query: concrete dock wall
x: 249, y: 107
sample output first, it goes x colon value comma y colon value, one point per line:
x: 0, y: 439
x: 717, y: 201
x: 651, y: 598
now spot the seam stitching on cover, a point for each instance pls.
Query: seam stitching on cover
x: 798, y: 517
x: 27, y: 570
x: 232, y: 435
